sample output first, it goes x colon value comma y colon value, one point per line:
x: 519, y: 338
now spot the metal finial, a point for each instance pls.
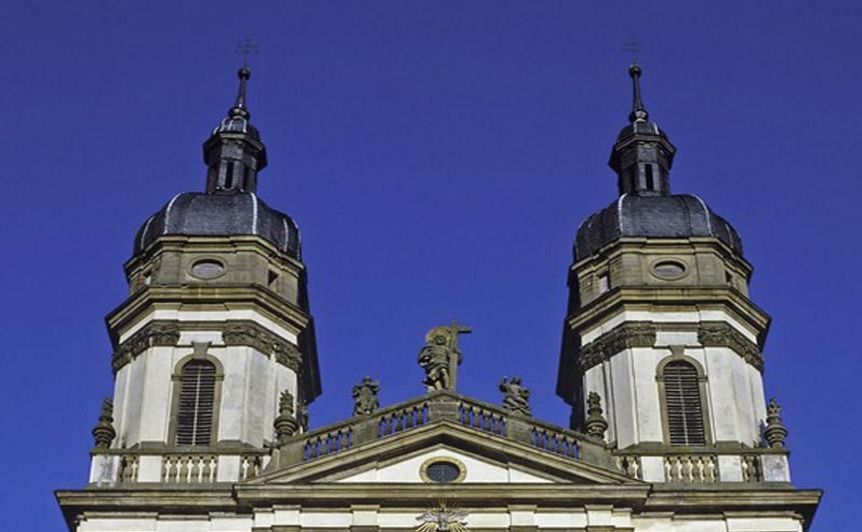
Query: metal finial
x: 243, y: 74
x: 639, y: 112
x: 245, y: 48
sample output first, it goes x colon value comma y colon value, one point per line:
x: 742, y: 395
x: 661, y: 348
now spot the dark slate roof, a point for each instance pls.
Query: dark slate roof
x: 676, y: 216
x: 201, y: 214
x: 641, y: 127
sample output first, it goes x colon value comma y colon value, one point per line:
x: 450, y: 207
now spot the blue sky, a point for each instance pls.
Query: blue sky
x: 438, y: 157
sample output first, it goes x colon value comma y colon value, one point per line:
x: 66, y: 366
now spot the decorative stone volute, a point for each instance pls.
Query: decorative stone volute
x: 104, y: 432
x: 286, y: 424
x: 365, y: 400
x: 775, y: 431
x: 516, y: 396
x: 596, y: 423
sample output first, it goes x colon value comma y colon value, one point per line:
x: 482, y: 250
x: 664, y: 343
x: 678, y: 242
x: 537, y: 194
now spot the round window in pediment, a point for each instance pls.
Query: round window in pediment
x: 443, y: 471
x: 668, y: 269
x: 207, y: 269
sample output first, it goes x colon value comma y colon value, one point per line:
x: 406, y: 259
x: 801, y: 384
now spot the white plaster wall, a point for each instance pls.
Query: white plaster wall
x: 121, y: 417
x: 132, y: 402
x: 625, y: 417
x: 734, y: 411
x: 648, y: 423
x: 155, y: 407
x: 478, y: 471
x: 235, y: 360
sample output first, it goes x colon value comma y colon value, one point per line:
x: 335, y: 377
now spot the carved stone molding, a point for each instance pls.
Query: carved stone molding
x: 623, y: 336
x: 722, y: 334
x: 254, y: 335
x: 248, y: 333
x: 155, y: 333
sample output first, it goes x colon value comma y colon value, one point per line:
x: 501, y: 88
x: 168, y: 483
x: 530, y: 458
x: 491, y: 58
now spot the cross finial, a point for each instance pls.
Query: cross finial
x: 246, y: 48
x: 634, y: 47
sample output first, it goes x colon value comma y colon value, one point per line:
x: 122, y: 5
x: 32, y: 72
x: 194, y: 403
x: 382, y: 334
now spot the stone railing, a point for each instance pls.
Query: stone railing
x: 691, y: 468
x: 111, y: 467
x: 442, y: 405
x: 189, y: 468
x: 478, y: 417
x: 705, y: 465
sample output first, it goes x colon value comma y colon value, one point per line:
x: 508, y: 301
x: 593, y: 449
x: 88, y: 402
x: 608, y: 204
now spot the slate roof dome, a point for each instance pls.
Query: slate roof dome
x: 671, y: 216
x: 224, y: 214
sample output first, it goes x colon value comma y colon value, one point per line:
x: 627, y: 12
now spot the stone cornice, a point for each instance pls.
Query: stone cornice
x: 225, y: 297
x: 623, y: 336
x: 722, y: 334
x: 690, y: 244
x: 166, y: 333
x: 667, y: 298
x: 213, y: 244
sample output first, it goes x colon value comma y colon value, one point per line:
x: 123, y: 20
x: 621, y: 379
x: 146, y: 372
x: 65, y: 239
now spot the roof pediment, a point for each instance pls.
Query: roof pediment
x: 400, y: 458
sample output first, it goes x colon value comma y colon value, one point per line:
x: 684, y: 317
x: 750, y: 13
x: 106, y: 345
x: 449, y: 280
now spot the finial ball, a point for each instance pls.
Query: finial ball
x: 244, y: 73
x: 634, y: 70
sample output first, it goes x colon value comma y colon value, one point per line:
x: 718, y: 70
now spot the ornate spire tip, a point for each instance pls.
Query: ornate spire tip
x: 639, y: 112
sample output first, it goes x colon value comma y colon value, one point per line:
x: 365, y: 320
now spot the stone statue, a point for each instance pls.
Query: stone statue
x: 440, y: 357
x: 516, y: 396
x: 365, y: 397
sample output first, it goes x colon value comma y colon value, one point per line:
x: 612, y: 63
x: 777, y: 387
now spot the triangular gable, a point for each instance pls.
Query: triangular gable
x: 487, y: 458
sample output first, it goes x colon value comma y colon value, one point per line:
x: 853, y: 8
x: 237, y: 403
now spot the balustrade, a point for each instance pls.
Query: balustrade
x: 189, y: 468
x: 630, y: 465
x: 328, y: 443
x: 128, y: 468
x: 691, y: 469
x: 477, y: 417
x: 751, y: 468
x: 554, y: 441
x: 403, y: 419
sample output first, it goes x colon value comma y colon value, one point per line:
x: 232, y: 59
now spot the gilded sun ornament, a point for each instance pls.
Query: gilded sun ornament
x: 442, y: 518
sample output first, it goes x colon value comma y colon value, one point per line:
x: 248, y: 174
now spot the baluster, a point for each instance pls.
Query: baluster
x: 710, y: 469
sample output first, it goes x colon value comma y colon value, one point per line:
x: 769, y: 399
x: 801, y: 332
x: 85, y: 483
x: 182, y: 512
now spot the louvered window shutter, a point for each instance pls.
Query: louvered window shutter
x: 196, y: 403
x: 682, y: 398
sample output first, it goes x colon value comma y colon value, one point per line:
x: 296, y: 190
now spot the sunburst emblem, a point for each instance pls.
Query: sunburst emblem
x: 443, y: 518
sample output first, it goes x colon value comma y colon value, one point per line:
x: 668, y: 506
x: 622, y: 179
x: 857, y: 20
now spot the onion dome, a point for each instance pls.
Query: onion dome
x: 671, y: 216
x: 203, y: 214
x: 229, y: 206
x: 642, y: 157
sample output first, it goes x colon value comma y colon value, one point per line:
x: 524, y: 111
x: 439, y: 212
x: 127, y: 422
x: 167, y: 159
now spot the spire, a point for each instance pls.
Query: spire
x: 639, y: 112
x: 642, y: 155
x: 234, y: 153
x: 239, y: 109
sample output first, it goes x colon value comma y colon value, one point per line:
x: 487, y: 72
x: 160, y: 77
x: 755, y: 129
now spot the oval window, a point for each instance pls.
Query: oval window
x: 207, y: 269
x: 668, y: 269
x: 443, y: 471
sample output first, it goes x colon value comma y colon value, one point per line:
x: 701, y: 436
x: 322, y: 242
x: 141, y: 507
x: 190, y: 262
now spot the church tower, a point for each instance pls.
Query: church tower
x: 215, y: 331
x: 660, y: 324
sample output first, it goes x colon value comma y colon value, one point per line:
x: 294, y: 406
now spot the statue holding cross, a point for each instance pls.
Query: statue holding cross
x: 441, y: 356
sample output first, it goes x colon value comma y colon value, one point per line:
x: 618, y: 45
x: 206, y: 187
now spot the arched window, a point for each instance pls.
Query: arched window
x: 683, y: 404
x: 195, y: 403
